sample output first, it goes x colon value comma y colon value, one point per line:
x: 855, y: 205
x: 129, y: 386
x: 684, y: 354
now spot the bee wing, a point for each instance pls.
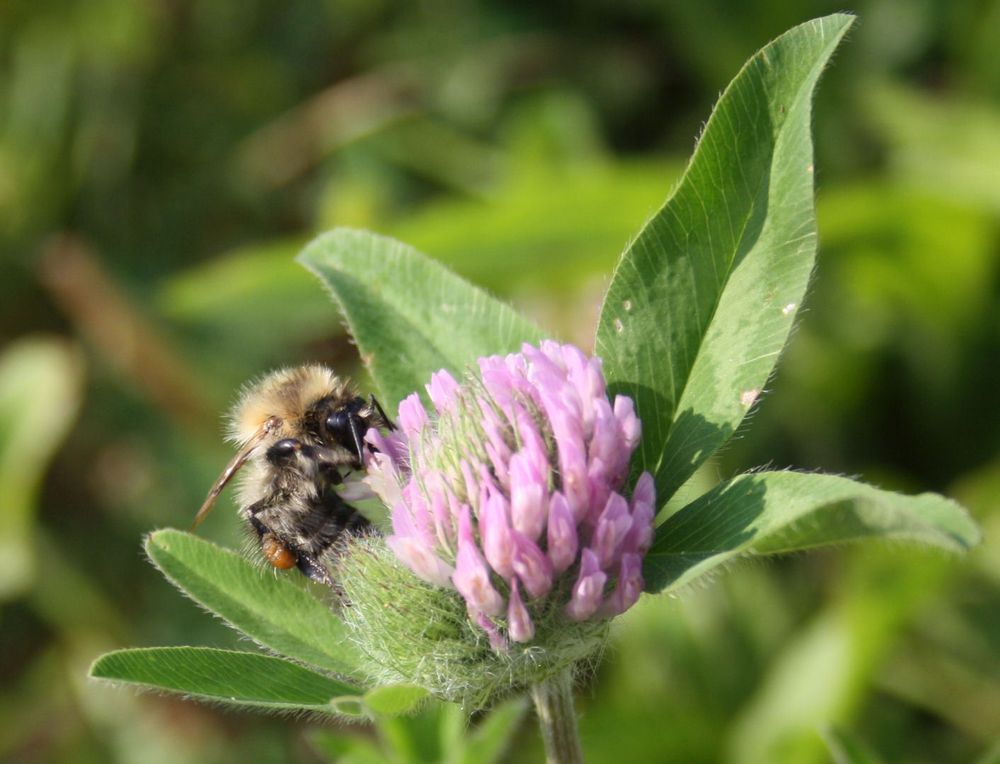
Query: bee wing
x: 233, y: 467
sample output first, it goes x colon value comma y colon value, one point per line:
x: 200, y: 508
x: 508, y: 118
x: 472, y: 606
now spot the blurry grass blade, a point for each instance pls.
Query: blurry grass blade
x: 394, y: 699
x: 69, y: 597
x: 223, y: 676
x: 810, y: 682
x: 268, y: 608
x: 435, y: 150
x: 703, y: 300
x: 488, y: 741
x: 346, y: 749
x: 991, y: 756
x: 418, y: 737
x: 539, y: 234
x: 813, y: 681
x: 101, y: 310
x: 944, y: 145
x: 282, y: 150
x: 451, y: 728
x: 40, y: 384
x: 776, y: 512
x: 246, y: 307
x: 845, y: 748
x: 409, y: 315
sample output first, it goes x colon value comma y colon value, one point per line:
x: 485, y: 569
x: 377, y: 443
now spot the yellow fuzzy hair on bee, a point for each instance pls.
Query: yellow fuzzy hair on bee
x: 284, y: 394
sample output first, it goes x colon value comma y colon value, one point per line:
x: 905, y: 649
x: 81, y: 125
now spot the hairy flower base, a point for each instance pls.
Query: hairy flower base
x: 414, y: 632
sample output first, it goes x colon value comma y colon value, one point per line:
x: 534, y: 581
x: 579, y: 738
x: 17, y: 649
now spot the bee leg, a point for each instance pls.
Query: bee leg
x: 250, y: 513
x: 275, y: 550
x: 283, y: 556
x: 373, y: 402
x: 329, y: 475
x: 314, y: 569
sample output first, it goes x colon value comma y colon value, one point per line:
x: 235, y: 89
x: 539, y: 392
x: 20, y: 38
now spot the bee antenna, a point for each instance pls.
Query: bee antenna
x: 373, y: 401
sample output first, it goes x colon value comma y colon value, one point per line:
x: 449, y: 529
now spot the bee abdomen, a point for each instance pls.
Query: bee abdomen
x: 301, y: 531
x: 331, y: 525
x: 326, y: 542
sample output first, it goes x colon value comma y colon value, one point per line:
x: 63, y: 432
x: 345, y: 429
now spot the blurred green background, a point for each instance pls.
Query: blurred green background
x: 160, y: 163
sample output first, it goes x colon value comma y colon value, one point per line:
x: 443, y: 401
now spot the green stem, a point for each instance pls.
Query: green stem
x: 557, y: 718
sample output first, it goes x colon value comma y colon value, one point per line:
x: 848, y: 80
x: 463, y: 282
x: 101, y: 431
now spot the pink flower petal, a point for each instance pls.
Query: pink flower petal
x: 519, y: 624
x: 412, y: 416
x: 528, y: 500
x: 443, y: 390
x: 631, y: 426
x: 629, y: 586
x: 562, y: 538
x: 494, y: 529
x: 471, y: 576
x: 421, y: 560
x: 531, y: 566
x: 588, y: 592
x: 612, y: 526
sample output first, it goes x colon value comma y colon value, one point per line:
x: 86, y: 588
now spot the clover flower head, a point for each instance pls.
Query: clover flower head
x: 511, y: 491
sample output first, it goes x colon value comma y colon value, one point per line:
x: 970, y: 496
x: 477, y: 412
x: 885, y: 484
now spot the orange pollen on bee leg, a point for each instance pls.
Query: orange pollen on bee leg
x: 276, y: 553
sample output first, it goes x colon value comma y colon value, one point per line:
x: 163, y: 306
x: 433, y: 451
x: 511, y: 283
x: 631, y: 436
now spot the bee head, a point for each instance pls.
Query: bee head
x: 293, y: 396
x: 340, y: 421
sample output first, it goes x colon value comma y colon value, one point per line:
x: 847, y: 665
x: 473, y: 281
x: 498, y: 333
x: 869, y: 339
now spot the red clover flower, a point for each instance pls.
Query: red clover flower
x: 512, y: 491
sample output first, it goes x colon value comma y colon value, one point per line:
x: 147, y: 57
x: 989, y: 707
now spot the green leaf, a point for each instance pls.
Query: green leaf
x: 409, y: 315
x: 703, y: 300
x: 775, y: 512
x: 351, y: 705
x: 395, y: 699
x: 332, y: 745
x: 420, y: 737
x: 227, y: 677
x: 269, y: 608
x: 40, y: 381
x: 494, y: 734
x: 343, y: 749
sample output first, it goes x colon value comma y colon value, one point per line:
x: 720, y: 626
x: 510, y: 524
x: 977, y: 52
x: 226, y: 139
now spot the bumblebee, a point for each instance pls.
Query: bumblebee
x: 300, y: 445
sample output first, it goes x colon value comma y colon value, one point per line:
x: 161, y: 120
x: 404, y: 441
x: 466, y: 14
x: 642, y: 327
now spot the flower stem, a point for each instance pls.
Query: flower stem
x: 557, y: 718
